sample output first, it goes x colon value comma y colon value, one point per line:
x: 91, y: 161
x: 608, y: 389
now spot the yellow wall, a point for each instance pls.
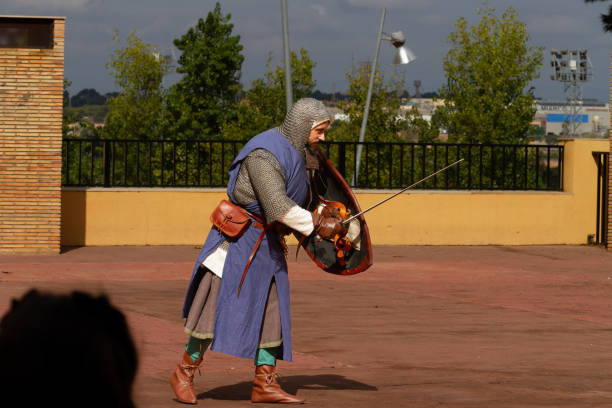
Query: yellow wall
x: 100, y: 216
x: 105, y: 216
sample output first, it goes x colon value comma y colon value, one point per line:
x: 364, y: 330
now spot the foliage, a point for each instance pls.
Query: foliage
x: 420, y: 129
x: 88, y: 96
x: 67, y: 116
x: 264, y: 105
x: 606, y: 19
x: 384, y: 121
x: 210, y: 63
x: 488, y: 68
x: 551, y: 138
x: 138, y: 69
x: 383, y: 124
x: 430, y: 95
x: 95, y: 113
x: 327, y: 96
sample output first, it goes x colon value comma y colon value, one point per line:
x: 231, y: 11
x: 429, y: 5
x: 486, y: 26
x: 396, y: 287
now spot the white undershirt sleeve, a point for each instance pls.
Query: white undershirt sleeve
x: 299, y: 219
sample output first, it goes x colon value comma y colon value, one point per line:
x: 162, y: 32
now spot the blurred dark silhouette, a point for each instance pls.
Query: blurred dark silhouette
x: 66, y: 350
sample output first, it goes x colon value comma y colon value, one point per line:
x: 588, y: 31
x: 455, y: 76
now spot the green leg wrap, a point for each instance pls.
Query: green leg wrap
x: 193, y: 347
x: 267, y: 356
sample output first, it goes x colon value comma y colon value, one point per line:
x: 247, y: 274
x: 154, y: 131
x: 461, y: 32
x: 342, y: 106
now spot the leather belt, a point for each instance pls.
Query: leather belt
x: 260, y: 225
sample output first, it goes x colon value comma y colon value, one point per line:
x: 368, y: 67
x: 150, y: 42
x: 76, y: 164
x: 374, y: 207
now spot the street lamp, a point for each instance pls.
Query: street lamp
x: 287, y: 55
x: 402, y: 56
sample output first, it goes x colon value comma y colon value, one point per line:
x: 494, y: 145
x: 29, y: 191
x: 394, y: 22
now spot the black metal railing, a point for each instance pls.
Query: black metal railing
x: 601, y: 215
x: 148, y: 163
x: 485, y: 166
x: 205, y: 163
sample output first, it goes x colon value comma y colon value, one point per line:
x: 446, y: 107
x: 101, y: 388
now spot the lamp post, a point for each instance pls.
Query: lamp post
x: 402, y: 56
x: 288, y: 85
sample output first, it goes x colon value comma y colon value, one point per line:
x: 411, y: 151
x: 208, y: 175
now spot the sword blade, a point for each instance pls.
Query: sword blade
x: 401, y: 191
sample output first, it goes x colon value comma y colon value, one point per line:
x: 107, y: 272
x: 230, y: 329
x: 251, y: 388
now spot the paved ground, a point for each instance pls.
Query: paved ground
x: 424, y: 327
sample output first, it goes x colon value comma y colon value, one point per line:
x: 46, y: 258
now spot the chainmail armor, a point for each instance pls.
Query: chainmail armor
x: 261, y: 177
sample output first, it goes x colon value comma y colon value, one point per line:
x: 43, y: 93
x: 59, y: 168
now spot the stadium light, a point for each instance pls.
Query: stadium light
x: 571, y: 67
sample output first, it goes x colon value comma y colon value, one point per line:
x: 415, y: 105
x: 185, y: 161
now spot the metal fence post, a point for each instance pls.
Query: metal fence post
x: 342, y: 159
x: 107, y: 162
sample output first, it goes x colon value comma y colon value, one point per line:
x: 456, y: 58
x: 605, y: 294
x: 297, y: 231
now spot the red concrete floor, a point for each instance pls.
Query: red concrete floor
x: 424, y: 327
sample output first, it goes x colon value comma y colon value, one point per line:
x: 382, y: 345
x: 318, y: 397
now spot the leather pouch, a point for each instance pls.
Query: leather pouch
x: 230, y: 219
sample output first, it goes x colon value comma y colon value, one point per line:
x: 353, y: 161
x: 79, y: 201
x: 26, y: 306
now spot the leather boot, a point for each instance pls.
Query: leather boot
x: 266, y: 389
x: 182, y: 379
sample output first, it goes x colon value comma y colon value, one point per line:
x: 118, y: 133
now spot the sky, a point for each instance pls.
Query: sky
x: 335, y: 32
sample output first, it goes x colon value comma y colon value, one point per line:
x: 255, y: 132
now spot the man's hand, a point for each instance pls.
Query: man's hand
x: 328, y: 226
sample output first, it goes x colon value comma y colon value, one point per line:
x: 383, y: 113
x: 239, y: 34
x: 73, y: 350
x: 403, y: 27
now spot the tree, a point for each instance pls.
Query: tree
x: 423, y: 130
x: 67, y: 117
x: 206, y: 95
x: 488, y: 69
x: 330, y: 97
x: 383, y: 124
x: 606, y: 19
x: 263, y: 105
x: 87, y: 96
x: 138, y: 69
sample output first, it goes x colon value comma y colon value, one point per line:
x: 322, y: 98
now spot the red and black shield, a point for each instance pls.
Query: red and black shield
x: 329, y: 185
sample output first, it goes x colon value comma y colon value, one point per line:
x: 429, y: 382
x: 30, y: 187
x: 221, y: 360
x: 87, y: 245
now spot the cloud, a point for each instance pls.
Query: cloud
x: 319, y: 9
x: 433, y: 19
x: 53, y: 4
x: 392, y: 4
x: 312, y: 19
x: 557, y: 24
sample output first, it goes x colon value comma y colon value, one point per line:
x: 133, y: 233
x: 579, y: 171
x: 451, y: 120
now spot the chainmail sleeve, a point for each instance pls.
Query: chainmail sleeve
x: 261, y: 178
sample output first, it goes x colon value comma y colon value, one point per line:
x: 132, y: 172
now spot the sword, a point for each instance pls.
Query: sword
x: 401, y: 191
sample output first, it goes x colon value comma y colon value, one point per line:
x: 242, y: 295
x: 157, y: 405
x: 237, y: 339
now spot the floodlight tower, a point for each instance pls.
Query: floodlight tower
x: 572, y: 68
x: 417, y: 88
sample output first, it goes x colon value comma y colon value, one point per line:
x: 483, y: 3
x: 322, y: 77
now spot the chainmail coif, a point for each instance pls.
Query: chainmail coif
x: 300, y: 119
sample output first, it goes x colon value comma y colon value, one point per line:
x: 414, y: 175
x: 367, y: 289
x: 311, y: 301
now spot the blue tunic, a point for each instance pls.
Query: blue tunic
x: 238, y: 320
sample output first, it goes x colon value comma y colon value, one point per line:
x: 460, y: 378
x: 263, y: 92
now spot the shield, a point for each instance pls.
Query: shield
x: 328, y: 184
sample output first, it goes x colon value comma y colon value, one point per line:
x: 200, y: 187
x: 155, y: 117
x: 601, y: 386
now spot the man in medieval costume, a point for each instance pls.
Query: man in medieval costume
x: 238, y: 299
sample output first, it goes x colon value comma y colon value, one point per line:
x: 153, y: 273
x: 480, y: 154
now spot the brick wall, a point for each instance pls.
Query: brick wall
x: 609, y: 235
x: 31, y: 92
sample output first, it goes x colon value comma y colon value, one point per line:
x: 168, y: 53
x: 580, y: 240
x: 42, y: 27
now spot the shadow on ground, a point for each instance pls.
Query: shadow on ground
x: 291, y: 384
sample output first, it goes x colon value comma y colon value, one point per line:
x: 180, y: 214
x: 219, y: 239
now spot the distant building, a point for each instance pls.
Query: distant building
x: 425, y: 106
x: 337, y: 113
x: 593, y: 117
